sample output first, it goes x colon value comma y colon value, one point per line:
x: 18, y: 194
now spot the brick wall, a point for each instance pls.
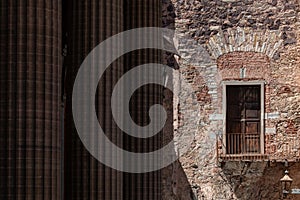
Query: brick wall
x: 216, y: 39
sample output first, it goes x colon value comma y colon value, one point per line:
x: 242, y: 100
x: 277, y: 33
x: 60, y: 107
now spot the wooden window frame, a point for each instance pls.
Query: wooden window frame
x: 262, y: 113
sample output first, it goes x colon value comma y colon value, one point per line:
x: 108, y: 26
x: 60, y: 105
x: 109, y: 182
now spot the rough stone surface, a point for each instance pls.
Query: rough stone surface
x: 204, y: 18
x: 216, y: 40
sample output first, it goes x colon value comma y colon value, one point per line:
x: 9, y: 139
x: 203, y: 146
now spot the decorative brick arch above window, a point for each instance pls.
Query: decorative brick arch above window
x: 246, y: 40
x: 244, y: 65
x: 243, y: 75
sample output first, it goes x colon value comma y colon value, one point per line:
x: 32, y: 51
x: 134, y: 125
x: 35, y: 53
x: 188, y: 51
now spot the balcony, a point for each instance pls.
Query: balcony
x: 240, y: 147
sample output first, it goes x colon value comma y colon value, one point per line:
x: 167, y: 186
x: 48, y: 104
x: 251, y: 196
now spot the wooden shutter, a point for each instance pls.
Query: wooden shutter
x: 243, y: 119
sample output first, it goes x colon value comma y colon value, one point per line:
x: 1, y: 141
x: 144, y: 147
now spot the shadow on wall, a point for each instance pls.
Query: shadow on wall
x: 259, y: 180
x: 175, y: 184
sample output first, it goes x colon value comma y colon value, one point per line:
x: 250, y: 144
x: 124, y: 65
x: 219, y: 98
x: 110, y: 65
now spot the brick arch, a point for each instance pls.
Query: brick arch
x: 257, y: 66
x: 245, y: 66
x: 244, y: 39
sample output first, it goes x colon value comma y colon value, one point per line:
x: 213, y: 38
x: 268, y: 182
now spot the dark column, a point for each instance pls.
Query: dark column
x: 29, y: 99
x: 88, y: 24
x: 147, y: 186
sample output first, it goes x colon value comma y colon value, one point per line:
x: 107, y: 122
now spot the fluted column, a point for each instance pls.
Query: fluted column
x: 147, y: 186
x: 30, y: 68
x: 88, y: 24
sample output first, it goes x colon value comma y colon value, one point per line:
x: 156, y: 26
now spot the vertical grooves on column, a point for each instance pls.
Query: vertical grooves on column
x: 40, y: 58
x: 12, y: 104
x: 29, y: 110
x: 93, y: 164
x: 100, y: 106
x: 4, y: 163
x: 59, y: 99
x: 91, y: 22
x: 143, y: 13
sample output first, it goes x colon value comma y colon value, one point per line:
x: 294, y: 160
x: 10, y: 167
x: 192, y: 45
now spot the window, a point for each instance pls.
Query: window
x: 244, y: 108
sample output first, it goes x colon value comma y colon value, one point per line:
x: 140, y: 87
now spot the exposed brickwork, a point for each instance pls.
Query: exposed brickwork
x: 219, y: 39
x: 192, y: 76
x: 245, y: 40
x: 256, y: 66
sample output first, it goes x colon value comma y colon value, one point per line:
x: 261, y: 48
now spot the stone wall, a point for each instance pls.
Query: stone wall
x: 204, y: 18
x: 216, y: 40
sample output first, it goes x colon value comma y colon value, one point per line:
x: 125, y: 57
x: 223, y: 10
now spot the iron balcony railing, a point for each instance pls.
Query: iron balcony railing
x: 239, y: 146
x: 241, y: 143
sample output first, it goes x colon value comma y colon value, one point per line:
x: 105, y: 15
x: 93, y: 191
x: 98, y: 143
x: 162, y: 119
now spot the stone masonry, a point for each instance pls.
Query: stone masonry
x: 232, y: 40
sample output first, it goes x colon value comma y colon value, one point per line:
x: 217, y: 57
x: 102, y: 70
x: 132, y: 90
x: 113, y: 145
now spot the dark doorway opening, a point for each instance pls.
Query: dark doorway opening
x: 243, y: 119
